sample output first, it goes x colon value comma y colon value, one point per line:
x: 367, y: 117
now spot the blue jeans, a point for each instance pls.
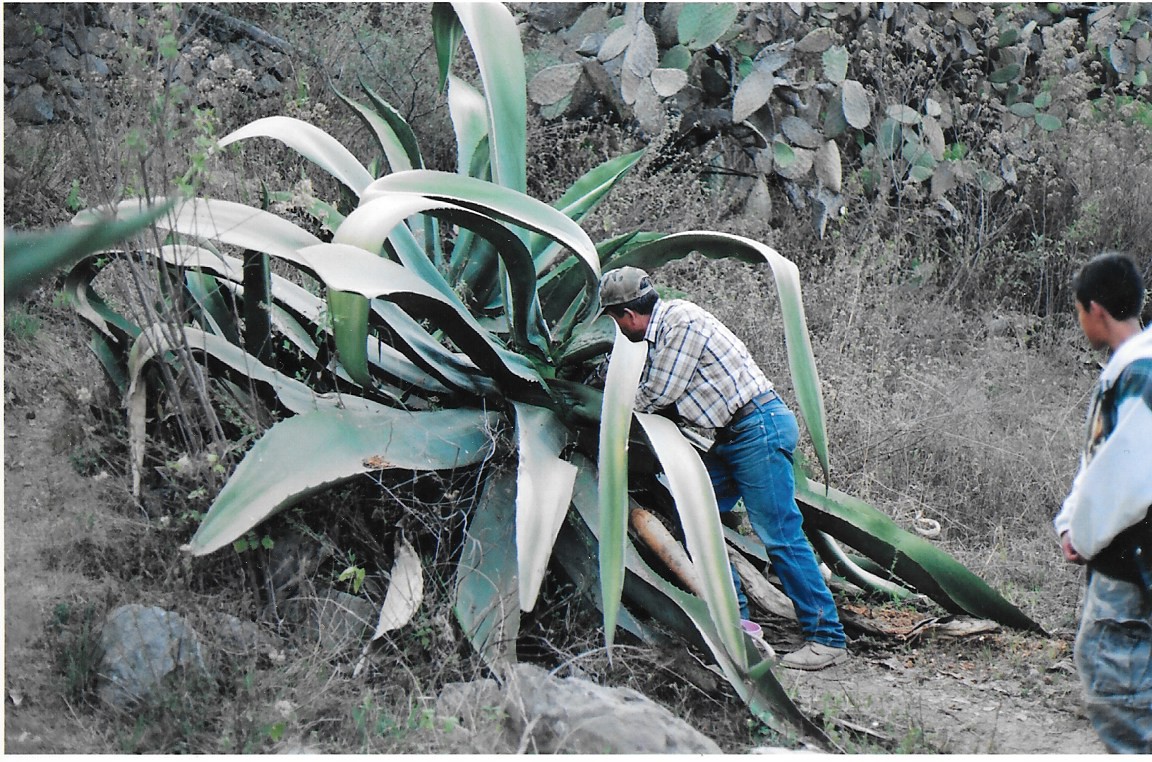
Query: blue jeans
x: 1114, y: 659
x: 755, y: 463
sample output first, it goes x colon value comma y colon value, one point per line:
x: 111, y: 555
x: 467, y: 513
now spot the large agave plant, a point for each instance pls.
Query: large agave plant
x: 455, y: 307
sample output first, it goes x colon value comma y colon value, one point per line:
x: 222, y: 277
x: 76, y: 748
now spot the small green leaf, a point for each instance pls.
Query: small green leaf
x: 676, y: 57
x: 1005, y: 75
x: 1043, y: 100
x: 782, y: 154
x: 1049, y: 122
x: 701, y: 24
x: 1023, y: 109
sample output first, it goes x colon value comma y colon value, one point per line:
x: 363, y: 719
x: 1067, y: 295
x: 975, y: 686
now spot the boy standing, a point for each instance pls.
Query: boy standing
x: 1104, y: 522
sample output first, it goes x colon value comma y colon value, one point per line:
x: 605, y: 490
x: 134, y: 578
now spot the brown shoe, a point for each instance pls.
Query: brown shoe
x: 813, y: 656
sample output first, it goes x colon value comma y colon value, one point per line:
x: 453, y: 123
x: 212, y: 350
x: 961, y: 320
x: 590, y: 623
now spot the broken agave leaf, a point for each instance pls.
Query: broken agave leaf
x: 555, y: 83
x: 405, y: 590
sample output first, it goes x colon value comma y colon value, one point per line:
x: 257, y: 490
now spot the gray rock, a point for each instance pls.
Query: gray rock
x: 93, y: 65
x: 32, y: 106
x: 538, y: 713
x: 141, y: 646
x: 341, y: 620
x: 62, y: 61
x: 552, y: 17
x: 238, y: 637
x: 37, y: 68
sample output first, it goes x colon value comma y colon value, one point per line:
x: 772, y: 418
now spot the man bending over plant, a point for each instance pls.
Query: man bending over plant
x: 704, y: 373
x: 1104, y: 521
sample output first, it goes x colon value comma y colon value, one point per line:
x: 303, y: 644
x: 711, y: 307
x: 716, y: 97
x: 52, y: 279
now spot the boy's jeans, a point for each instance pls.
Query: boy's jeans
x: 756, y: 465
x: 1114, y: 659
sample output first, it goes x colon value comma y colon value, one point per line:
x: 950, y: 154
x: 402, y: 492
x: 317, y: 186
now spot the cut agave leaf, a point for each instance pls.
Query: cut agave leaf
x: 919, y: 563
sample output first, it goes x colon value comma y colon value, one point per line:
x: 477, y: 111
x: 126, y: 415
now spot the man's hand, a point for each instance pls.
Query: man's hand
x: 578, y: 401
x: 1070, y: 553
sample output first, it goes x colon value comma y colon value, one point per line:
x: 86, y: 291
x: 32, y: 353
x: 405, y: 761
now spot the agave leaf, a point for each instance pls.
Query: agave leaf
x: 485, y: 593
x: 839, y: 562
x: 696, y: 503
x: 349, y: 313
x: 579, y: 200
x: 624, y: 368
x: 228, y: 222
x: 402, y: 148
x: 88, y: 304
x: 385, y: 136
x: 157, y: 339
x: 543, y: 492
x: 521, y: 303
x: 910, y: 558
x: 495, y: 41
x: 801, y: 361
x: 312, y: 143
x: 469, y: 113
x: 414, y: 339
x: 499, y: 202
x: 405, y: 590
x: 312, y: 452
x: 447, y: 33
x: 211, y: 310
x: 31, y: 257
x: 353, y: 270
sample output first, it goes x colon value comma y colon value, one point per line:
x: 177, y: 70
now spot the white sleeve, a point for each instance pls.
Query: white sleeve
x: 1113, y: 490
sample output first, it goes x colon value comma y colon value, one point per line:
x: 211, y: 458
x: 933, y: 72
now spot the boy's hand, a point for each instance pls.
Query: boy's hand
x: 1070, y: 553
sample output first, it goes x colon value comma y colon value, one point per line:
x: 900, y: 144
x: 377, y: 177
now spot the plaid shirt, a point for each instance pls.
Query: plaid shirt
x: 698, y: 365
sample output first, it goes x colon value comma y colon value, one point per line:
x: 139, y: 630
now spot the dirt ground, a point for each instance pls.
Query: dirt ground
x: 993, y: 693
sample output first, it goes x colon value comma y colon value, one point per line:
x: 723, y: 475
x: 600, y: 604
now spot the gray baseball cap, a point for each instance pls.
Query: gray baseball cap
x: 623, y: 285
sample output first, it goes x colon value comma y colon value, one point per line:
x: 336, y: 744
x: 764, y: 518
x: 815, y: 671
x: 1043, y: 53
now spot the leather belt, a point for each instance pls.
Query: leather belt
x: 748, y: 408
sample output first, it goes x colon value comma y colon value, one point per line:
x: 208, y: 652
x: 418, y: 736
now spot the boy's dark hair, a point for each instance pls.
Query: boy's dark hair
x: 642, y: 305
x: 1113, y: 281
